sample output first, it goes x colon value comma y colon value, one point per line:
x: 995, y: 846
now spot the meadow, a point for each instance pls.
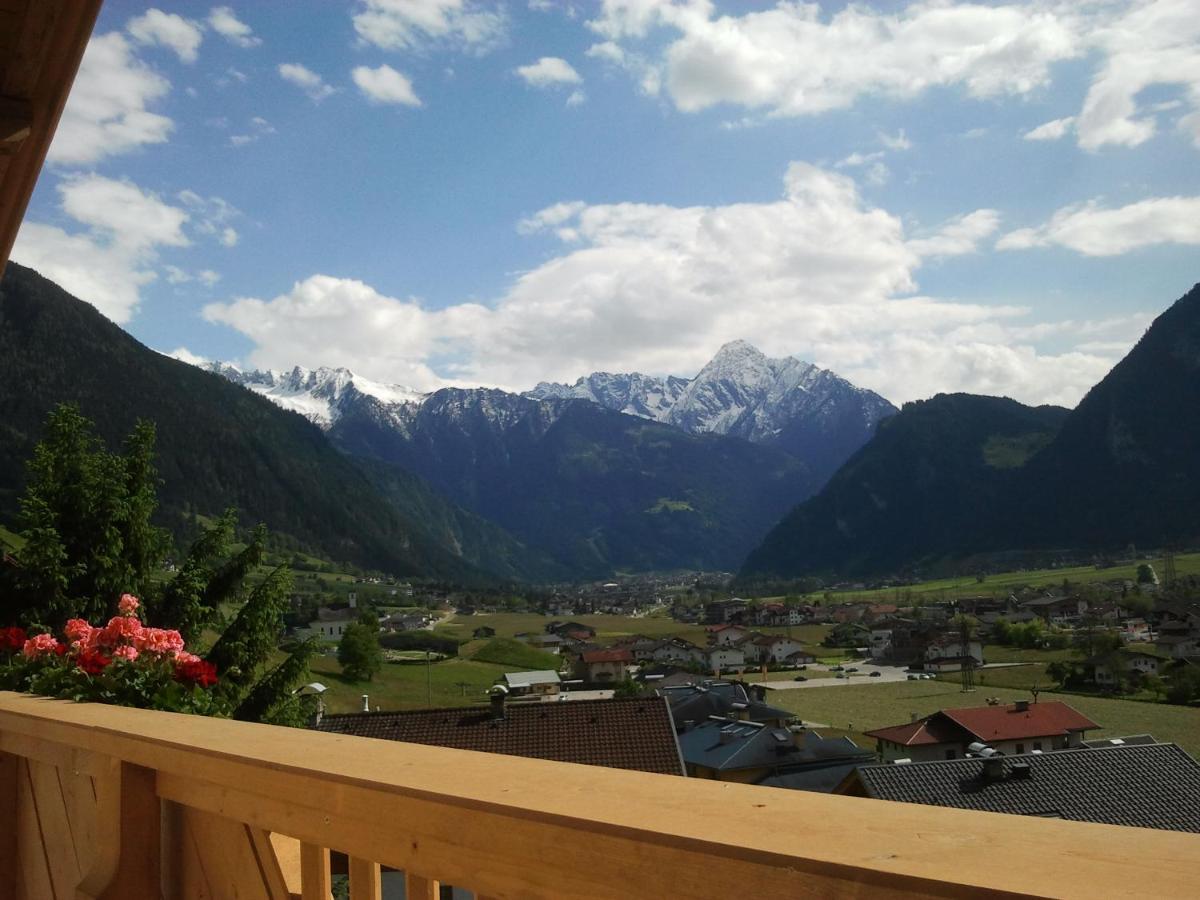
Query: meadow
x: 968, y: 586
x: 857, y: 708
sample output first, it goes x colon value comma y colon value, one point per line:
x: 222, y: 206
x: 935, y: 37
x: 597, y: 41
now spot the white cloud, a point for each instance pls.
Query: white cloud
x: 1153, y: 43
x: 405, y: 24
x: 959, y: 236
x: 106, y: 113
x: 897, y: 141
x: 211, y: 217
x: 307, y: 80
x: 225, y: 22
x: 181, y: 35
x: 208, y: 277
x: 656, y: 288
x: 176, y: 275
x: 1094, y: 230
x: 124, y: 214
x: 385, y: 85
x: 183, y: 354
x: 576, y: 98
x: 857, y: 159
x: 793, y: 60
x: 1054, y: 130
x: 549, y: 71
x: 1050, y: 131
x: 108, y: 262
x: 259, y: 127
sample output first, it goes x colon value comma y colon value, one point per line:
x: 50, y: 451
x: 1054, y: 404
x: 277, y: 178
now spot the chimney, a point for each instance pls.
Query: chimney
x: 496, y: 697
x: 1021, y: 706
x: 993, y: 768
x: 912, y: 717
x: 366, y: 703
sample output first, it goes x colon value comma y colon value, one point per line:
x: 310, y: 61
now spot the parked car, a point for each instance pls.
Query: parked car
x: 913, y: 676
x: 928, y: 676
x: 852, y: 669
x: 800, y: 678
x: 875, y: 674
x: 836, y: 668
x: 842, y: 675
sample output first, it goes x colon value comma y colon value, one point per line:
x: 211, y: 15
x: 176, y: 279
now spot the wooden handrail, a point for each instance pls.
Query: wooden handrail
x: 512, y: 827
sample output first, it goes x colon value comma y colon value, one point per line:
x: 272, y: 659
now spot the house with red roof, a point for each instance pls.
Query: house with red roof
x: 1020, y: 727
x: 607, y: 665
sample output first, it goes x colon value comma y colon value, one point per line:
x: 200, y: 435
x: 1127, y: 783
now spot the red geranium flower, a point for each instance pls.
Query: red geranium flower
x: 92, y: 661
x: 197, y: 671
x: 12, y: 638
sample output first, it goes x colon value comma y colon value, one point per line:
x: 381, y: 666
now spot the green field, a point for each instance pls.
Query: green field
x: 967, y: 586
x: 453, y: 682
x: 859, y: 708
x: 9, y: 541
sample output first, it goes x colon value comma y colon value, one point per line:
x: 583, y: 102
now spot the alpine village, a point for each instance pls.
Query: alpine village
x: 734, y: 626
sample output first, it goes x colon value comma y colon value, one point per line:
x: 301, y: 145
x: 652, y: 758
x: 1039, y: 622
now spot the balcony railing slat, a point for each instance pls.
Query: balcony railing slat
x: 418, y: 887
x: 127, y: 859
x: 496, y: 823
x: 315, y: 880
x: 10, y: 767
x: 365, y: 879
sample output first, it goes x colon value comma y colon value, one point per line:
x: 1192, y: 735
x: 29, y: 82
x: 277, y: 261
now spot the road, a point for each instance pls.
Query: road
x: 886, y: 675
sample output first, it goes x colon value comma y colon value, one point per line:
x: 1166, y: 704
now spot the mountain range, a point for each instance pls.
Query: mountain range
x: 959, y: 475
x: 616, y: 473
x: 221, y: 446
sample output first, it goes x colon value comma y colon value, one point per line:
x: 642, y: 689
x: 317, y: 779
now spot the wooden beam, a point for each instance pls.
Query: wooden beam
x: 38, y: 67
x: 16, y: 120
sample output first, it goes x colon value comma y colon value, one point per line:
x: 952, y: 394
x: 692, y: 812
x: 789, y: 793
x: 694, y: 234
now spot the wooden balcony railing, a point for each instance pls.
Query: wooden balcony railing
x: 105, y: 802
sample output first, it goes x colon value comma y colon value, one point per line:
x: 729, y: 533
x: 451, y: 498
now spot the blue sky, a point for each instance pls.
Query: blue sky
x: 924, y: 197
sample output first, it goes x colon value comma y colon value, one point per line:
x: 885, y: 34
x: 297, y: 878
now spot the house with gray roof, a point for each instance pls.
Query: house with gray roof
x: 1142, y: 785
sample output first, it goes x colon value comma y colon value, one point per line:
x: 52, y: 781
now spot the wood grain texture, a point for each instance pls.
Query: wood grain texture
x: 508, y: 827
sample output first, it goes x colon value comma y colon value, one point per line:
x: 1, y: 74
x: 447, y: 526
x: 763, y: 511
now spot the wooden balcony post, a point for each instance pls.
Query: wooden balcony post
x: 8, y: 825
x: 128, y: 817
x: 315, y: 881
x: 418, y: 887
x: 366, y: 879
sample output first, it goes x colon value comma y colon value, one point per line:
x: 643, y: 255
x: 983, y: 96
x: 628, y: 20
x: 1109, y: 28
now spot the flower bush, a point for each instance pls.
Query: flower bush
x: 123, y: 662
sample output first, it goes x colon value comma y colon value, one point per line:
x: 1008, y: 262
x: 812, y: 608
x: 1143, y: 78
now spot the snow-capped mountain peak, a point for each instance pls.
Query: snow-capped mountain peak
x: 743, y: 392
x: 317, y: 394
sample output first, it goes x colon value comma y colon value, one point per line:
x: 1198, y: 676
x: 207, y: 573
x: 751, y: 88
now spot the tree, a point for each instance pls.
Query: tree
x: 1155, y: 685
x: 86, y: 519
x: 359, y: 652
x: 1146, y: 574
x: 1185, y: 684
x: 627, y: 688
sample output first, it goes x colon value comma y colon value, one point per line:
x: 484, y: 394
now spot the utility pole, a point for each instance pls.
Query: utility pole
x: 968, y: 659
x: 428, y: 682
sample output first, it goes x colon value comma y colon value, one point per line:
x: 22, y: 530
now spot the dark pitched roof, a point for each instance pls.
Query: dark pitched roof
x: 1148, y: 786
x: 1130, y: 740
x: 696, y: 702
x: 620, y: 734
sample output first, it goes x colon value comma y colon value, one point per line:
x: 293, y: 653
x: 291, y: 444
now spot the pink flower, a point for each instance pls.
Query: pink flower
x: 128, y: 606
x: 159, y: 641
x: 41, y: 645
x: 79, y: 631
x: 119, y: 630
x: 125, y: 652
x: 183, y: 658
